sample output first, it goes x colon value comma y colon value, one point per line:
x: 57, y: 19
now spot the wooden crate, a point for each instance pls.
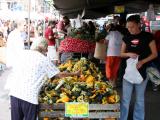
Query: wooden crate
x: 96, y: 111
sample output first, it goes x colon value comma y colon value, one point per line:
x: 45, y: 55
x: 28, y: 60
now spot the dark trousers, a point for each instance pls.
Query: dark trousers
x: 22, y: 110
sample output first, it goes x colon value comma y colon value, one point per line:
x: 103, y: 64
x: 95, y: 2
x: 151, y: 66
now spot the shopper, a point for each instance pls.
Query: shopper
x: 15, y: 43
x: 50, y: 38
x: 26, y: 79
x: 137, y: 44
x: 113, y: 59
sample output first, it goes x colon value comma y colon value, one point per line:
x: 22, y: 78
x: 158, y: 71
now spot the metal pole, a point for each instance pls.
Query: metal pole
x: 29, y: 13
x: 44, y: 25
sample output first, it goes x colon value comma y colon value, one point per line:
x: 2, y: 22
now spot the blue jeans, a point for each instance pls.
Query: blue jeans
x: 139, y: 110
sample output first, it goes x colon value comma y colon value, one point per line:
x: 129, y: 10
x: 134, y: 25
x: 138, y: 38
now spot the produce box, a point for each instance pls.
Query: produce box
x: 96, y: 111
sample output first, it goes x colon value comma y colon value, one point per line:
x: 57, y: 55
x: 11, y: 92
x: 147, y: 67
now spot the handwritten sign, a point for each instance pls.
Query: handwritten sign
x: 76, y: 110
x: 119, y: 9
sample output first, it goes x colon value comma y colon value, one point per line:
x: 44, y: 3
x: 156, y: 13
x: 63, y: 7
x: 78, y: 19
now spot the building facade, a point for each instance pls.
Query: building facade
x: 23, y: 5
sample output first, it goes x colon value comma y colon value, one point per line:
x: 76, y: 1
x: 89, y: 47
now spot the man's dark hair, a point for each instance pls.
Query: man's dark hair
x: 134, y: 18
x: 66, y: 20
x: 51, y: 22
x: 113, y: 27
x: 65, y: 17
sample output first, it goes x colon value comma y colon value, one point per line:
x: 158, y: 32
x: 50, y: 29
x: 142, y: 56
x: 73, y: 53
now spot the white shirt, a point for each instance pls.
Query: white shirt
x: 114, y: 45
x: 15, y: 44
x: 28, y: 75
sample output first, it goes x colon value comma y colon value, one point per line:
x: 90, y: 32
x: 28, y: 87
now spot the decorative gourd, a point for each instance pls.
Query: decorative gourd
x: 64, y: 98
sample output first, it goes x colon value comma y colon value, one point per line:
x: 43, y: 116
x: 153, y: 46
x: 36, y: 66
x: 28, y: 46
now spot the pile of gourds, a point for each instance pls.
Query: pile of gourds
x: 88, y: 87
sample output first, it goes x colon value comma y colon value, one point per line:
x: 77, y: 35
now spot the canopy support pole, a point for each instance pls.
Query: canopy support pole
x: 29, y: 16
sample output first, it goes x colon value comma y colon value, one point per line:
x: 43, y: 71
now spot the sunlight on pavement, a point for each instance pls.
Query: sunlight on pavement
x: 4, y: 98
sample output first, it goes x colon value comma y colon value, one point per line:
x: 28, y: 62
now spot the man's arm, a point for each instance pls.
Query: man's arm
x: 152, y: 56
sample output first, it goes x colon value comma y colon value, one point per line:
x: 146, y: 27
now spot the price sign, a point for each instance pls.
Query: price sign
x: 76, y: 110
x: 155, y: 25
x: 119, y: 9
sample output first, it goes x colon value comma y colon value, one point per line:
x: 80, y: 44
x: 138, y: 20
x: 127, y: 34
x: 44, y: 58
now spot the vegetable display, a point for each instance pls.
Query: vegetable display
x: 88, y: 87
x: 70, y: 44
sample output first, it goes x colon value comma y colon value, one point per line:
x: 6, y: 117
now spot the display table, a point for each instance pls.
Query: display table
x: 96, y: 111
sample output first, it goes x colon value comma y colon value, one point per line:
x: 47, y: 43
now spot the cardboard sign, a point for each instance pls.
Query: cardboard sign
x: 119, y: 9
x: 76, y: 110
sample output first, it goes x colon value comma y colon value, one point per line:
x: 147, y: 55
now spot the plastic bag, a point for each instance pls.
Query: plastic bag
x: 153, y: 74
x: 132, y: 75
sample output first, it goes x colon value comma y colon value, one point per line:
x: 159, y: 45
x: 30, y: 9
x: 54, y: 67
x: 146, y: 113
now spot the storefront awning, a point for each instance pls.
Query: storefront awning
x: 99, y: 8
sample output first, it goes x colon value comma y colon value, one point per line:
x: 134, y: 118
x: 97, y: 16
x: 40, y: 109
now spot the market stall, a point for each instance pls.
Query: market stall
x: 101, y: 100
x: 78, y: 43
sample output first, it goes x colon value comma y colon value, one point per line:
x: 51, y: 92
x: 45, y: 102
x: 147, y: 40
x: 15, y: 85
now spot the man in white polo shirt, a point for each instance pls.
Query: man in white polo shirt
x: 26, y: 79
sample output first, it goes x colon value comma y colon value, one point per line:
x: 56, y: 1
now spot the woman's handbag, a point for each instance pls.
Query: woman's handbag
x: 100, y: 51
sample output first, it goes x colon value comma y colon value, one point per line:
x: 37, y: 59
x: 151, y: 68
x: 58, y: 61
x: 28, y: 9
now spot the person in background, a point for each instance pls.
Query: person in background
x: 91, y: 28
x: 113, y: 59
x: 2, y: 40
x: 5, y: 29
x: 136, y: 44
x: 2, y: 52
x: 24, y: 35
x: 67, y: 24
x: 84, y: 26
x: 40, y: 28
x: 157, y: 39
x: 15, y: 43
x: 50, y: 38
x: 63, y: 28
x: 27, y: 78
x: 116, y: 20
x: 121, y: 27
x: 156, y: 62
x: 32, y: 29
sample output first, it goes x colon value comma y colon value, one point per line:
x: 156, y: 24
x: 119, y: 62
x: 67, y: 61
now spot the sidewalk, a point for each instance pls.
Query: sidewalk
x: 4, y: 111
x: 4, y: 99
